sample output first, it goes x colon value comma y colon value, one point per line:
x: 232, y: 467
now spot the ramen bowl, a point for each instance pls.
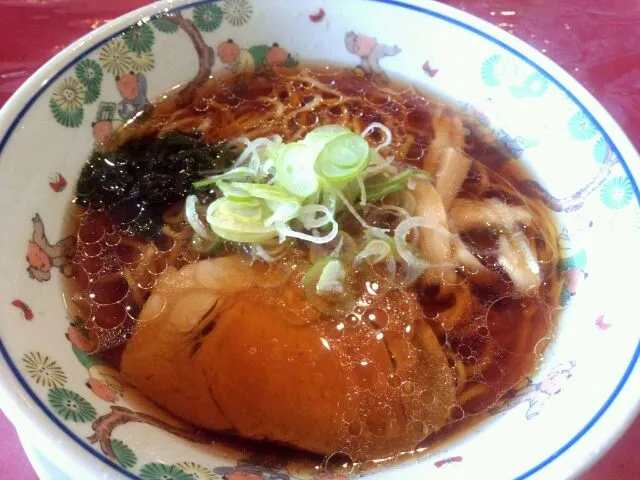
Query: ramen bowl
x: 74, y: 409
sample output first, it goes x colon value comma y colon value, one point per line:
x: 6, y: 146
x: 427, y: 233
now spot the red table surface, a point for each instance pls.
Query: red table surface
x: 597, y: 42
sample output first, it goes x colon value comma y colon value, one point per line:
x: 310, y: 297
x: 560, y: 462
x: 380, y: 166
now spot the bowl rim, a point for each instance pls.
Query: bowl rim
x: 27, y: 411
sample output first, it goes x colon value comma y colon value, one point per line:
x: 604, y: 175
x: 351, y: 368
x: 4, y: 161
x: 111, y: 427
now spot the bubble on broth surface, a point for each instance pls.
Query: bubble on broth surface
x: 464, y: 351
x: 157, y: 266
x: 427, y: 397
x: 408, y: 388
x: 190, y: 255
x: 338, y: 463
x: 455, y: 412
x: 108, y: 289
x: 491, y: 372
x: 483, y: 330
x: 91, y: 231
x: 394, y: 380
x: 91, y: 250
x: 109, y: 316
x: 93, y: 265
x: 127, y: 253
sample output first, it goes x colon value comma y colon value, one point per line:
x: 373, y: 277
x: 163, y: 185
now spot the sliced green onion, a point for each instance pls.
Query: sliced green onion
x: 286, y: 231
x: 277, y: 191
x: 294, y: 170
x: 273, y: 193
x: 374, y: 252
x: 343, y: 158
x: 324, y: 287
x: 251, y: 150
x: 363, y: 191
x: 271, y: 255
x: 308, y: 216
x: 239, y: 173
x: 319, y: 137
x: 352, y: 210
x: 193, y: 219
x: 240, y: 221
x: 329, y: 200
x: 244, y: 234
x: 233, y: 193
x: 416, y: 261
x: 331, y: 278
x: 377, y: 164
x: 378, y: 190
x: 245, y: 212
x: 282, y: 212
x: 387, y: 132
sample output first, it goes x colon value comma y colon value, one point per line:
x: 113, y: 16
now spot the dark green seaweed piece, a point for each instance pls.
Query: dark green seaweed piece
x: 140, y: 179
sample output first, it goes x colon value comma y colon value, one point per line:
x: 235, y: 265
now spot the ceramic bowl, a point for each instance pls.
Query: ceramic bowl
x: 587, y: 388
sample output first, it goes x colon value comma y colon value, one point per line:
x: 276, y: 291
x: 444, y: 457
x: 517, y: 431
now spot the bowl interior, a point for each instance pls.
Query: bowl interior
x: 572, y: 147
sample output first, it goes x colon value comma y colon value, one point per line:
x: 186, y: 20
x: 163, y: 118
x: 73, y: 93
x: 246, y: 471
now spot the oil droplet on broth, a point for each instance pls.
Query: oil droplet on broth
x: 491, y: 372
x: 92, y: 250
x: 338, y: 463
x: 109, y: 316
x: 408, y: 388
x: 157, y: 266
x: 93, y: 265
x: 417, y: 430
x: 376, y: 318
x: 190, y: 255
x: 108, y: 289
x: 128, y: 254
x: 164, y: 243
x: 112, y: 239
x: 427, y: 398
x: 455, y: 412
x: 394, y: 380
x: 90, y: 232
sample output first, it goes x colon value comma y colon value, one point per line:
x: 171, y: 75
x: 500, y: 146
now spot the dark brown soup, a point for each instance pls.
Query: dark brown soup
x: 418, y: 340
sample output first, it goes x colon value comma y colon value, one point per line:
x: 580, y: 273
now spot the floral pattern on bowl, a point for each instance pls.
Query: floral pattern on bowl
x: 114, y: 77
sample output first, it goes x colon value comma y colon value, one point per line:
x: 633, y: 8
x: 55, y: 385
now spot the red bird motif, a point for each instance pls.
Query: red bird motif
x: 601, y: 324
x: 318, y: 16
x: 58, y: 183
x: 26, y: 311
x: 447, y: 461
x: 429, y: 70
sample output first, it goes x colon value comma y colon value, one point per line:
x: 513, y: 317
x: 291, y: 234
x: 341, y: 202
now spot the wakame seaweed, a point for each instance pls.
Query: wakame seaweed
x: 147, y: 174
